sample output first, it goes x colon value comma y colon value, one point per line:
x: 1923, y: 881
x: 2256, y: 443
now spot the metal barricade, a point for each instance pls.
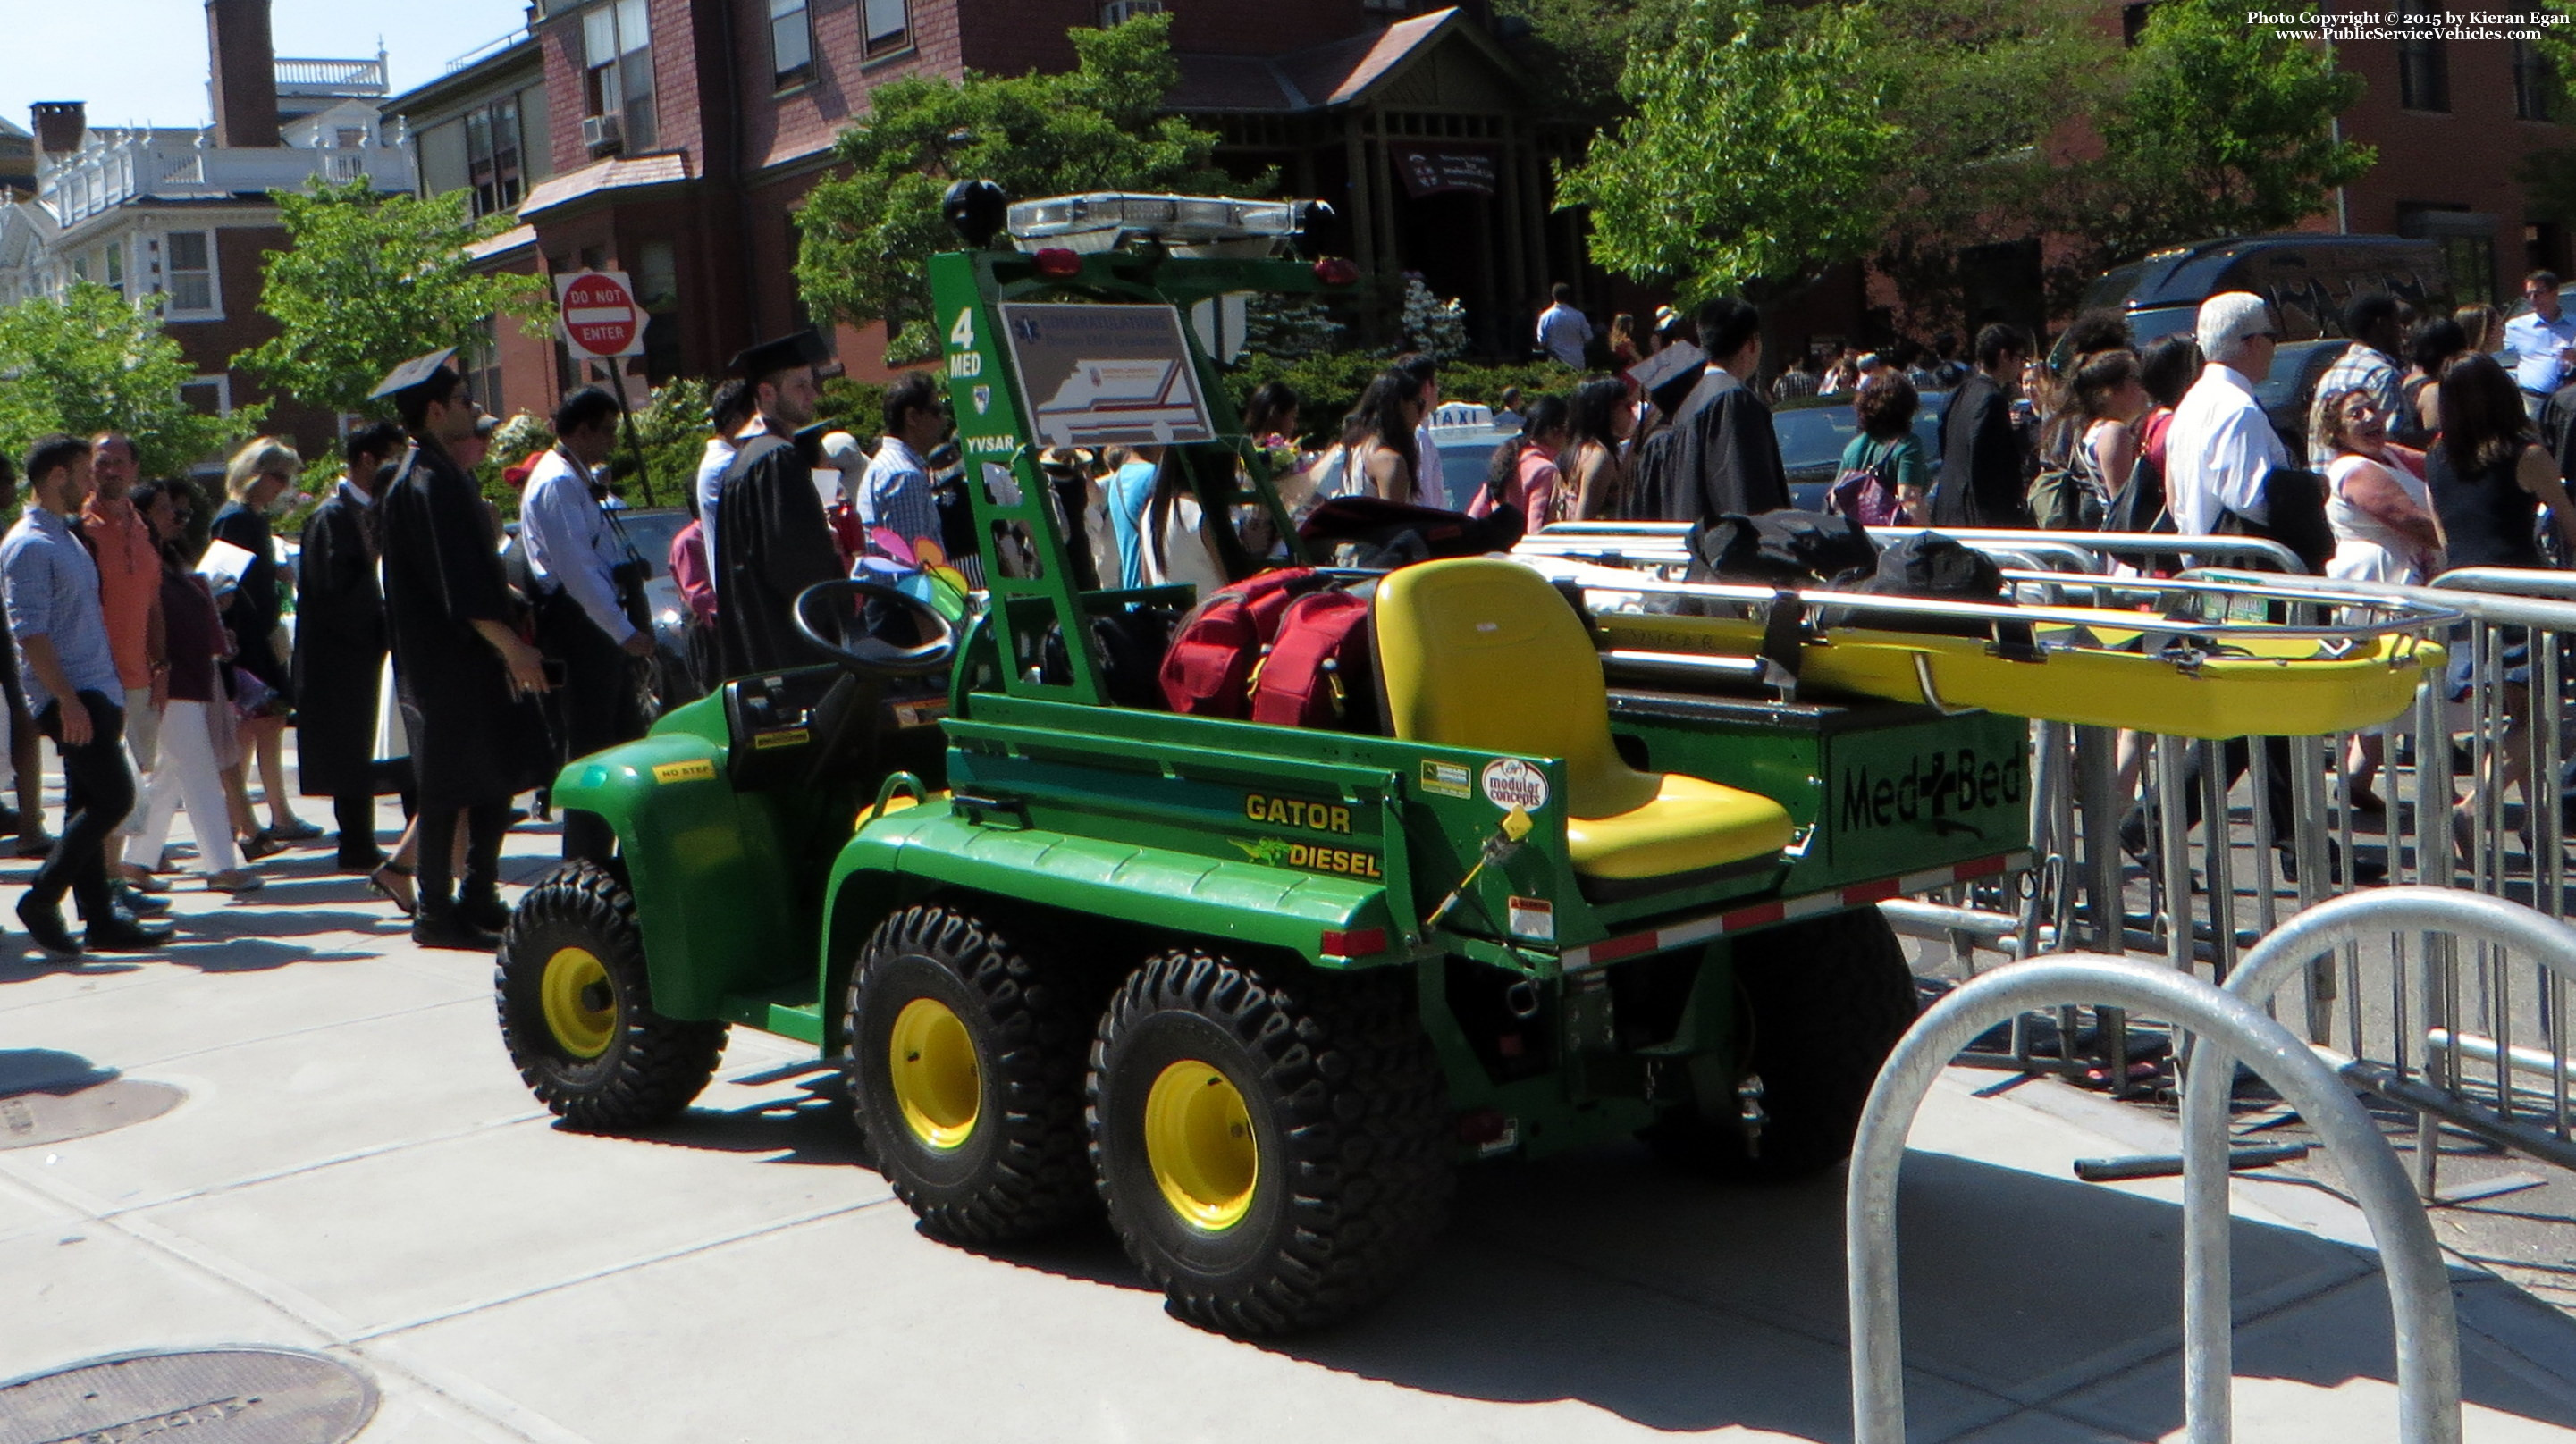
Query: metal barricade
x: 2427, y: 1330
x: 2476, y: 1035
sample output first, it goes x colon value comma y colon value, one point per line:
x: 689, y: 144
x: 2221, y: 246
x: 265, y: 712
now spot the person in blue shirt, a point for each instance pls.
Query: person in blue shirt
x: 1130, y: 488
x: 59, y: 628
x: 2540, y: 340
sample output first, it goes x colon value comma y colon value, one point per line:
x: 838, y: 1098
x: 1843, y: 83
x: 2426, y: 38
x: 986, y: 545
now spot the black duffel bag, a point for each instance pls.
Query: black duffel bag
x: 1779, y: 548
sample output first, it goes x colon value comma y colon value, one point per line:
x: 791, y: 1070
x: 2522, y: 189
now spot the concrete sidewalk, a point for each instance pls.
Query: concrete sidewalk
x: 356, y: 1170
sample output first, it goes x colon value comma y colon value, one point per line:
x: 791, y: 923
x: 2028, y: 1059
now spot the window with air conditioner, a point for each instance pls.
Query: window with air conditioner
x: 791, y: 41
x: 617, y: 61
x: 889, y: 25
x: 188, y: 271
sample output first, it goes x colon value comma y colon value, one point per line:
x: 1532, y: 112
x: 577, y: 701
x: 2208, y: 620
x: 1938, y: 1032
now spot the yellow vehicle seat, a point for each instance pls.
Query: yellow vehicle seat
x: 1483, y: 653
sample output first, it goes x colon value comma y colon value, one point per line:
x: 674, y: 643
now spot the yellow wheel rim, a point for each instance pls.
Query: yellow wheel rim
x: 1199, y: 1142
x: 581, y: 1006
x: 936, y: 1081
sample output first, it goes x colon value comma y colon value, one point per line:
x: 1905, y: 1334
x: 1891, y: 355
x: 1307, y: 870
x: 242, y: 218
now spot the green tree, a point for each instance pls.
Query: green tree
x: 869, y: 233
x: 2222, y: 128
x: 1577, y: 49
x: 91, y: 361
x: 1756, y: 153
x: 368, y: 281
x: 1979, y: 162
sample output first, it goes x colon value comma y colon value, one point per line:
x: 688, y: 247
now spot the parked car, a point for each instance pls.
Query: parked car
x: 2307, y: 277
x: 651, y: 530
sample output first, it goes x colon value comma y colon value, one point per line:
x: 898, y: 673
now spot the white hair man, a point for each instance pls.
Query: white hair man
x: 2221, y: 445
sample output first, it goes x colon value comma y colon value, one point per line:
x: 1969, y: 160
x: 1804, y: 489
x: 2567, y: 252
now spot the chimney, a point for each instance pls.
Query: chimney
x: 60, y: 124
x: 244, y: 72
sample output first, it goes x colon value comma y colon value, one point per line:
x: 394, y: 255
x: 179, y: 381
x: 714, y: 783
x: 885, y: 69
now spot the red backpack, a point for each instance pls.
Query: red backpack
x: 1319, y: 673
x: 1208, y: 671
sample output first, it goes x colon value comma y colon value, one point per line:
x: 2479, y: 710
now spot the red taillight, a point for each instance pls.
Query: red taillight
x: 1337, y: 271
x: 1481, y: 1126
x: 1058, y: 262
x: 1357, y: 943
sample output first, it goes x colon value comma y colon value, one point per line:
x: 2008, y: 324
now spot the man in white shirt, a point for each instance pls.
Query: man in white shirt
x: 2220, y: 445
x: 574, y: 553
x: 1562, y: 331
x: 2540, y: 340
x: 729, y: 412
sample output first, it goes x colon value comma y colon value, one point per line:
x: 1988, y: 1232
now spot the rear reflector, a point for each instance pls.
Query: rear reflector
x: 1357, y: 943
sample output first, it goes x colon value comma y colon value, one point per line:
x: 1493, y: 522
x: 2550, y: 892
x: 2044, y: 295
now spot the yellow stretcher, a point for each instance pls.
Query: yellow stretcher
x: 2090, y: 666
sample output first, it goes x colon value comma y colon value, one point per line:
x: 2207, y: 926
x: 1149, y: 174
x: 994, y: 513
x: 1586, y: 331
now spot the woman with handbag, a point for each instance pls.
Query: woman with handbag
x: 196, y: 719
x: 1883, y: 477
x: 258, y: 475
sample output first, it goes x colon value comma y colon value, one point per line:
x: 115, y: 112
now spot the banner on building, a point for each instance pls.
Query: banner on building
x: 1435, y: 168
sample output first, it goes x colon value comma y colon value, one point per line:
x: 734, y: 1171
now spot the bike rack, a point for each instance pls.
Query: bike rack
x: 2209, y: 1072
x: 2427, y: 1331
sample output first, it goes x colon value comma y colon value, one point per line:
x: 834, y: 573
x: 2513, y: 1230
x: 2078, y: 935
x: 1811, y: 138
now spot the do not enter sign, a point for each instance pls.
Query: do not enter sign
x: 599, y: 314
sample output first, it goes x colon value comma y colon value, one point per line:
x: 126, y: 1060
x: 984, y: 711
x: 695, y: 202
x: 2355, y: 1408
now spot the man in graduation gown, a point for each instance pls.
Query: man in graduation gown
x: 772, y: 540
x: 467, y: 683
x: 1720, y: 454
x: 340, y: 647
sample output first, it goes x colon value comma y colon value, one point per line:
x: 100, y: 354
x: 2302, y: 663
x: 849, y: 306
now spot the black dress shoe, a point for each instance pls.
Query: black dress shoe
x: 138, y: 903
x: 117, y: 935
x: 44, y: 923
x: 485, y: 911
x: 10, y: 821
x: 449, y: 929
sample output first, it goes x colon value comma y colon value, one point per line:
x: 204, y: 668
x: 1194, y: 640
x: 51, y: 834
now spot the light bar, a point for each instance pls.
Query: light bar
x: 1194, y: 226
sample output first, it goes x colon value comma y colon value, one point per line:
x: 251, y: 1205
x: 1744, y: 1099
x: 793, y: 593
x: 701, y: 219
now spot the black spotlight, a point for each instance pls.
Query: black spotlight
x: 975, y: 210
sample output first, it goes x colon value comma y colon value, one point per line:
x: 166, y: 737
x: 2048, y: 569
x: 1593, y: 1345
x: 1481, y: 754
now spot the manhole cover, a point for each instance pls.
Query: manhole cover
x: 218, y: 1396
x: 27, y: 1119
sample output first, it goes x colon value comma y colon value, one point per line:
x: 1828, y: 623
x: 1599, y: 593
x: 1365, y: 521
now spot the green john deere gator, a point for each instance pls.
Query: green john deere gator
x: 1255, y: 991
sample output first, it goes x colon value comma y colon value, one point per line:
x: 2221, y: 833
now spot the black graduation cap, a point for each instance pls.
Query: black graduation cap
x: 801, y: 348
x: 410, y: 374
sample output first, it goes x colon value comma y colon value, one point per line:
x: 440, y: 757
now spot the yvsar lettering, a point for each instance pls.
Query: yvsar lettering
x: 1930, y: 788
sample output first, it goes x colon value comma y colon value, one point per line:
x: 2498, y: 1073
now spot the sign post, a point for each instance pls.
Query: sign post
x: 598, y: 318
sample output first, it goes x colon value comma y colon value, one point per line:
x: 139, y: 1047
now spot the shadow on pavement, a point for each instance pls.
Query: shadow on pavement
x: 25, y: 962
x: 48, y: 1070
x: 813, y: 1127
x: 1688, y: 1306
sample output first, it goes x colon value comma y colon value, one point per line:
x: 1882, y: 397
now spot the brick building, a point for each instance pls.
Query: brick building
x: 2452, y: 121
x: 679, y: 137
x: 185, y: 213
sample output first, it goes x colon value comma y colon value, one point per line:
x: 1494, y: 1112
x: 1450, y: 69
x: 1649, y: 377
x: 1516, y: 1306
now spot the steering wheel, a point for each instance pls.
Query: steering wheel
x: 865, y: 655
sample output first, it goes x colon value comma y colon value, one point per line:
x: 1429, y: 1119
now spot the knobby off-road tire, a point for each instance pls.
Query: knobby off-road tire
x: 1826, y: 999
x: 966, y: 1053
x: 1273, y: 1143
x: 577, y: 1009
